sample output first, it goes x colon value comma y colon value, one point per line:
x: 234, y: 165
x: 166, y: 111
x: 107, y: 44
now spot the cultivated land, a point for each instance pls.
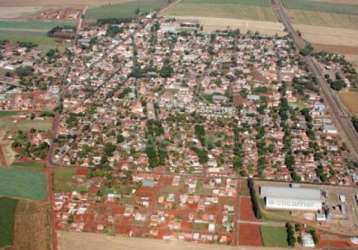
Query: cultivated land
x: 43, y: 26
x: 350, y: 100
x: 23, y: 184
x: 126, y: 9
x: 240, y: 9
x: 63, y: 179
x: 32, y: 229
x: 7, y: 221
x: 56, y: 3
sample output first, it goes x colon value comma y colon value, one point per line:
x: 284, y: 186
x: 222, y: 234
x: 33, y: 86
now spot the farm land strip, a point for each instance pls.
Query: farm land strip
x: 7, y: 221
x: 22, y: 184
x: 123, y: 10
x: 274, y: 236
x: 254, y: 10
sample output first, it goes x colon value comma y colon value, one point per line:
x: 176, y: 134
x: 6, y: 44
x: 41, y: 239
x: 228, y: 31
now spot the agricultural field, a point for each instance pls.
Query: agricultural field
x: 32, y: 221
x: 23, y: 184
x: 13, y: 122
x: 28, y: 166
x: 123, y: 10
x: 319, y: 13
x: 38, y: 25
x: 350, y: 100
x: 259, y: 10
x: 7, y: 221
x: 246, y: 211
x: 56, y: 3
x: 274, y: 236
x: 40, y: 38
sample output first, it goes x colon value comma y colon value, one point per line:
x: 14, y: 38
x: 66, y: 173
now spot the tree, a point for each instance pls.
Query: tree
x: 291, y: 239
x: 108, y: 149
x: 24, y: 71
x: 166, y: 71
x: 255, y: 205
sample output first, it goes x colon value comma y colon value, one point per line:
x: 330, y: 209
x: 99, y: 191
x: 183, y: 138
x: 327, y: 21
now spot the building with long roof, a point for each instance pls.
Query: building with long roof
x: 291, y: 198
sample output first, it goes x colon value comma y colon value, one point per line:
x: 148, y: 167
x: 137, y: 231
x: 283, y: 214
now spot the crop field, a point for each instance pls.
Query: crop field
x: 321, y: 6
x: 126, y: 9
x: 32, y: 24
x: 40, y: 38
x: 243, y: 9
x: 55, y: 3
x: 32, y: 221
x: 23, y: 184
x: 274, y: 236
x: 7, y: 113
x: 321, y: 13
x: 350, y: 100
x: 28, y: 166
x: 7, y: 221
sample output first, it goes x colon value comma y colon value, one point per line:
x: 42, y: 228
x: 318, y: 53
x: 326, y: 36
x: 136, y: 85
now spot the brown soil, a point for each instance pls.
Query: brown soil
x: 32, y: 226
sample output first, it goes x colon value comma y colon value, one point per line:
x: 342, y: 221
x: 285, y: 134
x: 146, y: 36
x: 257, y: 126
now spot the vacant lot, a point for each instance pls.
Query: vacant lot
x: 126, y: 9
x: 32, y: 229
x: 350, y: 100
x: 13, y: 122
x: 249, y: 235
x: 7, y: 221
x: 246, y: 211
x: 28, y: 166
x: 243, y: 9
x: 23, y: 184
x: 274, y: 236
x: 63, y: 179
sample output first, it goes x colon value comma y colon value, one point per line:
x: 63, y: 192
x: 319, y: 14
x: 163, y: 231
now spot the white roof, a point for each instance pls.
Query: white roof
x: 290, y: 193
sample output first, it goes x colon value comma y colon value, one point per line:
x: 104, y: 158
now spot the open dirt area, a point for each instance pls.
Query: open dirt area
x: 32, y: 226
x: 91, y: 241
x: 212, y: 24
x: 350, y: 100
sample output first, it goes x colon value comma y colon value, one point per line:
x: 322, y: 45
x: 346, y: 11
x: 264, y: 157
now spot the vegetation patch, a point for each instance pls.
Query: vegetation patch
x: 124, y: 10
x: 7, y: 221
x: 274, y: 236
x: 63, y: 179
x: 28, y: 166
x: 7, y: 113
x: 242, y: 9
x: 32, y: 24
x: 321, y: 6
x: 23, y: 184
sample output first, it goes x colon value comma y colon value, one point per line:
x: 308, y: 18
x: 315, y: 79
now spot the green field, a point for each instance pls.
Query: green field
x: 7, y: 221
x: 126, y: 9
x: 63, y: 179
x: 244, y: 9
x: 23, y: 184
x: 32, y: 24
x: 274, y: 236
x: 40, y: 38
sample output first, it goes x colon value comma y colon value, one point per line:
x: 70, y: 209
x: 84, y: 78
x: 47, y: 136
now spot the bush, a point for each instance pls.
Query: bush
x: 291, y: 239
x: 254, y: 202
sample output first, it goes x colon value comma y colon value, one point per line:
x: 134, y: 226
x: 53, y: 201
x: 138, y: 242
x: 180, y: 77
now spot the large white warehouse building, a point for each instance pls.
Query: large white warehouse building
x: 291, y: 198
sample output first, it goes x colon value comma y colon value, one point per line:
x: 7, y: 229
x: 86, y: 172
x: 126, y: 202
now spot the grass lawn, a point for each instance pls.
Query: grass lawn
x: 242, y: 9
x: 32, y: 24
x: 7, y: 221
x: 126, y: 9
x: 63, y: 179
x: 274, y: 236
x: 23, y: 184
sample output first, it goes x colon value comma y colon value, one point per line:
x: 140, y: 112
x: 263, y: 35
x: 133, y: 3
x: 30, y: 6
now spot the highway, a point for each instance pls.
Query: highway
x: 340, y: 117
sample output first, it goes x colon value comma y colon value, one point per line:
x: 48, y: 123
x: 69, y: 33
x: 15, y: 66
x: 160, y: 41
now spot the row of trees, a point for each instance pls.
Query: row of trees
x: 254, y: 199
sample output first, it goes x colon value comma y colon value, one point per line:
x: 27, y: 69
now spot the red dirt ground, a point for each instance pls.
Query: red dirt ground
x: 246, y: 211
x: 336, y: 244
x: 249, y: 235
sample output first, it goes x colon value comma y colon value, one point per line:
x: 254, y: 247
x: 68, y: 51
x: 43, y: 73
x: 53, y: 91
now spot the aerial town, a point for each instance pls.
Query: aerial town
x: 153, y: 128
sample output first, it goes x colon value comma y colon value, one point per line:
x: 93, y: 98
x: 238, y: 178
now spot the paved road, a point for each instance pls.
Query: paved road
x: 340, y: 117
